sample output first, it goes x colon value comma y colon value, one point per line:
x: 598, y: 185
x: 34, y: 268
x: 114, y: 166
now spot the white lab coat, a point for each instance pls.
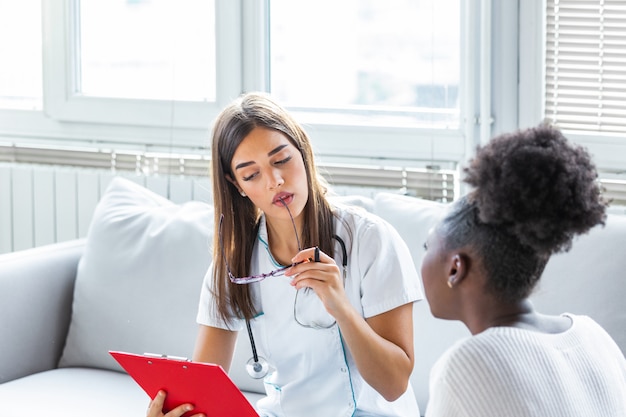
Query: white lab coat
x: 313, y: 373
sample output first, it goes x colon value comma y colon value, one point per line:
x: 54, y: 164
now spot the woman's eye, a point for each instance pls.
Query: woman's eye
x: 249, y: 177
x: 283, y: 161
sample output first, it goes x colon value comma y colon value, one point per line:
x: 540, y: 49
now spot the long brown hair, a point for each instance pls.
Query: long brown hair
x: 241, y: 217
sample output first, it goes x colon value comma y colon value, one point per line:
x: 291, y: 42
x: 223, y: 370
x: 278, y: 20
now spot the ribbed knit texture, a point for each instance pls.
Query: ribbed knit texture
x: 507, y: 371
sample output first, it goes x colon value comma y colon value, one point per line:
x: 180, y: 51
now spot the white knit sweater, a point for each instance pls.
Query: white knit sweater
x: 507, y: 371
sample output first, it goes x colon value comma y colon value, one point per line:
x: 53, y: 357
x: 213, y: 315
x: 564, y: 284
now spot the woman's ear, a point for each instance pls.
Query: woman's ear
x: 457, y: 271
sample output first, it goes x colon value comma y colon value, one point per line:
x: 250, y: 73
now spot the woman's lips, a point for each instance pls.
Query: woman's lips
x: 283, y: 199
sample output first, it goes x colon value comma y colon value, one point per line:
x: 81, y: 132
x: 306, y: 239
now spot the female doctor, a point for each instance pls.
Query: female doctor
x: 324, y: 291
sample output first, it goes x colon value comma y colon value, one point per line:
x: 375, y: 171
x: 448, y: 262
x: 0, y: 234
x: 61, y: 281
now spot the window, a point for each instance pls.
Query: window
x: 151, y: 75
x: 578, y: 79
x: 141, y: 63
x: 20, y: 72
x: 394, y: 63
x: 585, y: 80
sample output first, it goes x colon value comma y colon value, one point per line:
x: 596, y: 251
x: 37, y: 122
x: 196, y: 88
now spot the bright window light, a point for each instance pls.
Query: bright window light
x: 147, y: 49
x: 20, y: 49
x: 392, y: 62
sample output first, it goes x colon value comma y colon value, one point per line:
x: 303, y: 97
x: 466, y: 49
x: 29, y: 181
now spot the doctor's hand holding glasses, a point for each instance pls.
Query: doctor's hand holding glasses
x: 309, y: 309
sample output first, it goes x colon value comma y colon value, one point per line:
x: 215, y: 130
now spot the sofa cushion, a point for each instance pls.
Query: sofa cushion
x: 77, y: 392
x: 73, y: 392
x: 354, y: 200
x: 138, y: 281
x: 588, y: 279
x: 412, y: 217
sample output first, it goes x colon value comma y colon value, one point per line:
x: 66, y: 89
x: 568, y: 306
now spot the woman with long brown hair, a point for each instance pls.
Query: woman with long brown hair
x: 325, y: 291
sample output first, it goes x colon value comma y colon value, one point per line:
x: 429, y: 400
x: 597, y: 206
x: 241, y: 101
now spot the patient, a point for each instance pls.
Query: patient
x: 533, y: 192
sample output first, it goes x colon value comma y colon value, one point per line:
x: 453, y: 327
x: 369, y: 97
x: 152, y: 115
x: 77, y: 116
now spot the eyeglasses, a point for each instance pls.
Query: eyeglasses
x: 309, y: 305
x: 252, y: 278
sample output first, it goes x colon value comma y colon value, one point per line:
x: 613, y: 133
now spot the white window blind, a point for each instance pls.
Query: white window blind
x: 585, y: 84
x: 434, y: 181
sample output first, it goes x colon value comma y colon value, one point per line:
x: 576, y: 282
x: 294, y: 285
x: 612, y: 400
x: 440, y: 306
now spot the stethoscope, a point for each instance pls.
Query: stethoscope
x: 257, y: 367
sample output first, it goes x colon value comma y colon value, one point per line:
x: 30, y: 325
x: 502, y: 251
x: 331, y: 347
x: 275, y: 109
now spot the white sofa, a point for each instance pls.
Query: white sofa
x: 133, y: 285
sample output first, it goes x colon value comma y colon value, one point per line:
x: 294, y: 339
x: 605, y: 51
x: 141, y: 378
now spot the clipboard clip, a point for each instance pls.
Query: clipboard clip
x: 163, y: 356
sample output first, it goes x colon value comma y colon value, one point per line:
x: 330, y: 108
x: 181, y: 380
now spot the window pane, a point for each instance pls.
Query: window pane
x: 148, y: 49
x: 20, y: 49
x: 395, y: 60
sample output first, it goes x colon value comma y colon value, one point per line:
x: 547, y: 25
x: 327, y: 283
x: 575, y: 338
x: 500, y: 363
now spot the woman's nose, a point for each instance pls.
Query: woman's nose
x: 275, y: 180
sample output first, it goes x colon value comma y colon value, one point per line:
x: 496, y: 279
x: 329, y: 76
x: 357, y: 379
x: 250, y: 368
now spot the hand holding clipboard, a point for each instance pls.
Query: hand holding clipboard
x: 206, y: 386
x: 156, y: 408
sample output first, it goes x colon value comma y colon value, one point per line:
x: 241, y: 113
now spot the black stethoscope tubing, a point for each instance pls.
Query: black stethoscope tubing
x: 257, y: 367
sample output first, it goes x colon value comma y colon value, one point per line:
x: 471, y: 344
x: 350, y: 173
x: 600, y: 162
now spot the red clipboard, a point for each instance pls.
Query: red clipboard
x: 205, y: 385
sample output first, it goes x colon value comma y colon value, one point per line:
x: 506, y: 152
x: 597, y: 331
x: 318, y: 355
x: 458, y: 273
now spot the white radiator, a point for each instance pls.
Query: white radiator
x: 47, y: 204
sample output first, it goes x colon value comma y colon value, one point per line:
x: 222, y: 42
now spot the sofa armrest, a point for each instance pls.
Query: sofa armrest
x: 36, y: 290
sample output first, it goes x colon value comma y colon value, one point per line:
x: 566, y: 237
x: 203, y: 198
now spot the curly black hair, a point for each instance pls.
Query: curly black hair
x: 533, y: 192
